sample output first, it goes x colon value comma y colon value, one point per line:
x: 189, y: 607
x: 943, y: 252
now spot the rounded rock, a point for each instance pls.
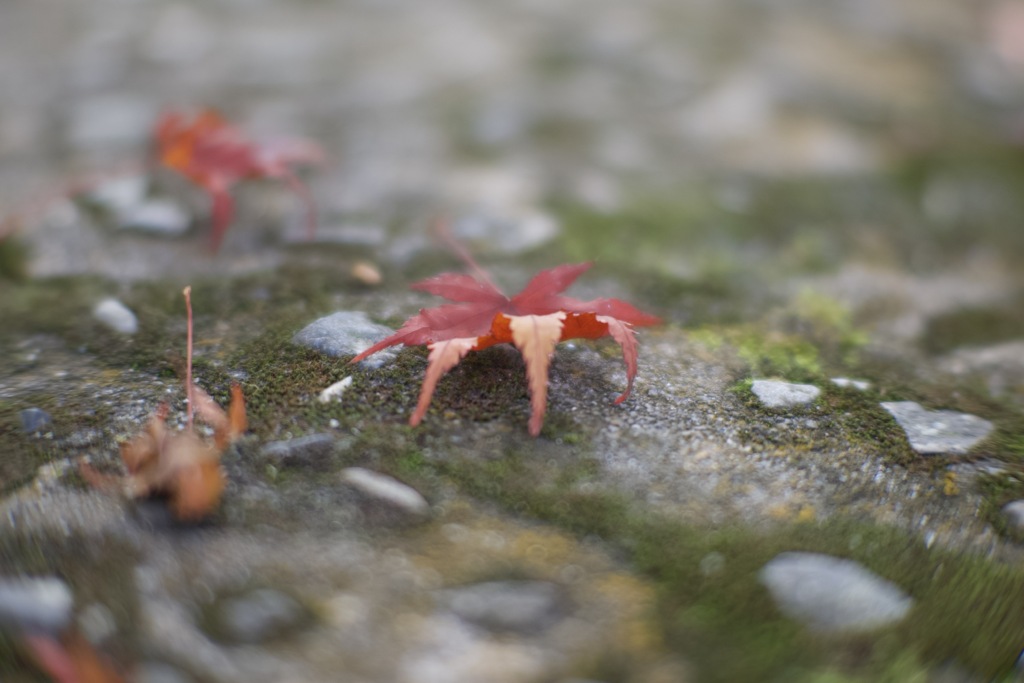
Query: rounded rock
x: 830, y: 594
x: 35, y: 420
x: 346, y: 333
x: 776, y: 394
x: 938, y: 431
x: 518, y: 606
x: 258, y: 616
x: 116, y: 316
x: 1013, y: 512
x: 35, y: 604
x: 384, y: 489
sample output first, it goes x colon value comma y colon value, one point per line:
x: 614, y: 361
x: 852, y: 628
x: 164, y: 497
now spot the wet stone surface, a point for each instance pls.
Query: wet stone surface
x: 820, y: 200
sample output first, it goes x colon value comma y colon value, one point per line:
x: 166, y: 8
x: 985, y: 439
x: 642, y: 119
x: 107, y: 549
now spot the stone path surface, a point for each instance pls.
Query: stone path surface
x: 819, y: 199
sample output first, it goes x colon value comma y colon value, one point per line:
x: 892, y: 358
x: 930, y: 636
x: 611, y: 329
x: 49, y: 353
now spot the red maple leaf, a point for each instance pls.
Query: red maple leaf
x: 216, y: 155
x: 534, y: 320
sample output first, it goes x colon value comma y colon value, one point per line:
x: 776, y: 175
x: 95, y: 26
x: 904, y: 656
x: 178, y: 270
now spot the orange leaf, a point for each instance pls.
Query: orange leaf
x: 237, y: 422
x: 536, y: 336
x: 70, y: 660
x: 179, y: 465
x: 444, y: 356
x: 623, y: 334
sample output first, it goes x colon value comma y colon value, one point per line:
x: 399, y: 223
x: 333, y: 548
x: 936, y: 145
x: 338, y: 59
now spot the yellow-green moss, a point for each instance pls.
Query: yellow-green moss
x: 13, y: 258
x: 726, y: 623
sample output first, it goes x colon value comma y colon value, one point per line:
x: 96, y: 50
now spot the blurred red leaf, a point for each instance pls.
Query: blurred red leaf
x: 70, y: 660
x: 216, y: 155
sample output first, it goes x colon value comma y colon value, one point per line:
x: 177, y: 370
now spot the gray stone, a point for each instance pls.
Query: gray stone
x: 346, y: 333
x: 382, y: 488
x: 116, y: 316
x: 119, y: 194
x: 35, y: 604
x: 157, y: 216
x: 35, y: 420
x: 159, y: 672
x: 518, y: 606
x: 938, y: 431
x: 830, y: 594
x: 305, y: 450
x: 847, y: 383
x: 775, y: 394
x: 1014, y: 514
x: 97, y: 622
x: 258, y: 616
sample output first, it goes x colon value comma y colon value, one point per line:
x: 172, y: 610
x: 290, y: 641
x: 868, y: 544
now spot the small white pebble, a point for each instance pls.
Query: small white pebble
x: 336, y: 390
x: 116, y: 316
x: 846, y: 382
x: 385, y: 489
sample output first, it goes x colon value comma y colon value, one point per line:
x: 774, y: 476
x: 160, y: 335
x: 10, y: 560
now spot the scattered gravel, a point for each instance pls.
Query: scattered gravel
x: 775, y: 394
x: 938, y: 431
x: 830, y: 594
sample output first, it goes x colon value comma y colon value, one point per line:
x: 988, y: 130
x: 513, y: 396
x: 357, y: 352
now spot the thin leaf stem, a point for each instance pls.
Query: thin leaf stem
x: 188, y: 359
x: 443, y: 230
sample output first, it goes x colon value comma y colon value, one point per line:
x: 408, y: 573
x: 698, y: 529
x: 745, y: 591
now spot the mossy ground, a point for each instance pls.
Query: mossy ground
x: 97, y: 570
x: 721, y: 620
x: 13, y: 258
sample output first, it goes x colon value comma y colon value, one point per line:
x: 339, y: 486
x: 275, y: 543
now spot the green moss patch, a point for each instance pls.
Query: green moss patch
x: 1000, y: 489
x: 724, y: 621
x: 13, y: 258
x: 975, y: 327
x: 24, y: 453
